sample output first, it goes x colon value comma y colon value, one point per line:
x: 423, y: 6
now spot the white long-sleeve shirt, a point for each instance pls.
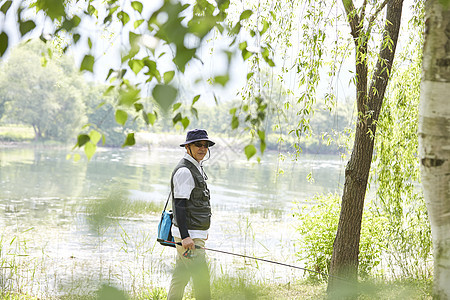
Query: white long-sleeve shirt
x: 183, y: 184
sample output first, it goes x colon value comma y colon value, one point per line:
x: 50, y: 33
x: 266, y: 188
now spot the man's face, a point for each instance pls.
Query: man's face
x: 198, y: 149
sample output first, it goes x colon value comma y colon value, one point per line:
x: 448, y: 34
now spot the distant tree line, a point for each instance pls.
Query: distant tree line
x: 46, y: 91
x: 41, y: 89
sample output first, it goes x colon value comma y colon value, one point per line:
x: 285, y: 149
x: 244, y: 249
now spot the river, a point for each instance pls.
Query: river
x: 49, y: 246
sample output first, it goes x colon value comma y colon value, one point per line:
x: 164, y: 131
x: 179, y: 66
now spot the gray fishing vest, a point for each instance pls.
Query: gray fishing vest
x: 198, y: 207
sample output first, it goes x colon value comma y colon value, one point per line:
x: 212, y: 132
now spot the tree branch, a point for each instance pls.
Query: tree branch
x: 375, y: 14
x: 386, y: 57
x: 353, y: 18
x: 363, y: 11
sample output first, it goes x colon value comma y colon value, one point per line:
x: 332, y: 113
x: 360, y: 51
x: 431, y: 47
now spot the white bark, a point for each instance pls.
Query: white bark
x: 434, y: 138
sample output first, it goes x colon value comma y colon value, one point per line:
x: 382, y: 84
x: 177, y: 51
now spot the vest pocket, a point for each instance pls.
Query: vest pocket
x: 200, y: 197
x: 200, y: 219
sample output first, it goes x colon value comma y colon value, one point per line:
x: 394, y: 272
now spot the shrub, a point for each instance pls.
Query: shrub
x: 318, y: 225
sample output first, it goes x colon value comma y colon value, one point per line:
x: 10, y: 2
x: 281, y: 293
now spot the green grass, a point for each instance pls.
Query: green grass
x: 230, y: 288
x: 13, y: 296
x: 118, y: 205
x: 237, y: 288
x: 16, y: 133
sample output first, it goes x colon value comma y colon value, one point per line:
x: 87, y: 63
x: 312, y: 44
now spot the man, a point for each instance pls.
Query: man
x: 191, y: 217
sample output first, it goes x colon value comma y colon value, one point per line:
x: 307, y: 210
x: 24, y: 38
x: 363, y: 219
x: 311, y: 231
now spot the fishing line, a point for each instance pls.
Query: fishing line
x: 261, y: 259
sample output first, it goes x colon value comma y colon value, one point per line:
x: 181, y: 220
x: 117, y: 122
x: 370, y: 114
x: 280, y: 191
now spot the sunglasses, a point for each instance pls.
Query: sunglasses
x: 199, y: 145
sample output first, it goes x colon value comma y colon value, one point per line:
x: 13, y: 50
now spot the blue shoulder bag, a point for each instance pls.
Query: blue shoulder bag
x: 165, y: 237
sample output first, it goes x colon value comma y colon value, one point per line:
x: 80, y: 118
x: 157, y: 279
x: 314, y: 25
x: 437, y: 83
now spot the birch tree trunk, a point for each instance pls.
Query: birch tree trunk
x: 434, y: 138
x: 344, y: 260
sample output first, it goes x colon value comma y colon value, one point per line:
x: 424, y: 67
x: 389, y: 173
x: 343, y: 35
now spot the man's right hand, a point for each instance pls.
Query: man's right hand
x: 188, y: 243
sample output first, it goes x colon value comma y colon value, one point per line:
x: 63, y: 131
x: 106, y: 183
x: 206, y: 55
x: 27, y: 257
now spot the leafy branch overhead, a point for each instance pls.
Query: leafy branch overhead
x: 168, y: 27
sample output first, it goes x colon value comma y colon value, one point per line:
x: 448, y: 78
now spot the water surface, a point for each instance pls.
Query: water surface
x: 47, y: 230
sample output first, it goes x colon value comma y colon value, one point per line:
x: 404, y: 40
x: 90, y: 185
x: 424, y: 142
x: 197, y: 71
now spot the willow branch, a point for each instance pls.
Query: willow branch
x: 375, y: 14
x: 363, y: 11
x: 353, y: 18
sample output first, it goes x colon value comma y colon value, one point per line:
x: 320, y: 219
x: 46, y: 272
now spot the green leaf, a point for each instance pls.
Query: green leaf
x: 168, y: 76
x: 185, y: 121
x: 89, y: 150
x: 92, y: 11
x: 200, y: 26
x: 269, y: 61
x: 109, y: 74
x: 234, y: 122
x: 183, y: 56
x: 88, y: 63
x: 136, y: 65
x: 5, y: 7
x: 128, y: 96
x: 123, y: 17
x: 246, y: 54
x: 236, y: 29
x: 138, y: 23
x: 177, y: 118
x: 194, y: 112
x: 245, y: 14
x: 129, y: 141
x: 164, y: 95
x: 69, y: 24
x: 138, y: 107
x: 109, y: 90
x: 95, y: 136
x: 25, y: 27
x: 134, y: 39
x: 53, y: 8
x: 265, y: 54
x: 249, y: 150
x: 82, y: 139
x: 265, y: 27
x: 176, y: 106
x: 222, y: 79
x: 76, y: 38
x: 262, y: 137
x: 145, y: 117
x: 249, y: 75
x: 151, y: 118
x: 195, y: 99
x: 121, y: 117
x: 3, y: 43
x: 152, y: 69
x: 136, y: 5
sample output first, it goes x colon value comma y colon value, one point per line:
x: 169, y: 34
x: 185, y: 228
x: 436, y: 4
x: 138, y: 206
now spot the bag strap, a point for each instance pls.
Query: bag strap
x: 167, y: 202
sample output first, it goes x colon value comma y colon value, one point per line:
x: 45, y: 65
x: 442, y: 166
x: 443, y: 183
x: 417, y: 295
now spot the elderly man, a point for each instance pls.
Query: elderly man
x: 191, y: 217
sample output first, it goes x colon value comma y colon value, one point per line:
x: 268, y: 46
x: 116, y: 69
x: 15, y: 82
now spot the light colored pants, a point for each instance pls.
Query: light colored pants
x: 185, y: 268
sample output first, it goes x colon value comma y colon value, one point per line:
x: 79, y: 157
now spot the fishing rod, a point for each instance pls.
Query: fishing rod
x: 256, y: 258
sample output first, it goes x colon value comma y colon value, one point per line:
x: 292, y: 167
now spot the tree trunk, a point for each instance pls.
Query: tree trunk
x: 344, y: 261
x: 434, y: 138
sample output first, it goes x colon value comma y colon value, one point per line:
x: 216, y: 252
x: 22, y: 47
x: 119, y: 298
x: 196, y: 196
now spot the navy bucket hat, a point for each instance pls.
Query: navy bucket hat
x: 197, y: 135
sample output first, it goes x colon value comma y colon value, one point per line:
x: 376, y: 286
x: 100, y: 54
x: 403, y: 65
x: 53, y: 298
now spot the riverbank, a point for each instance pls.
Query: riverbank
x: 236, y: 288
x: 11, y: 135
